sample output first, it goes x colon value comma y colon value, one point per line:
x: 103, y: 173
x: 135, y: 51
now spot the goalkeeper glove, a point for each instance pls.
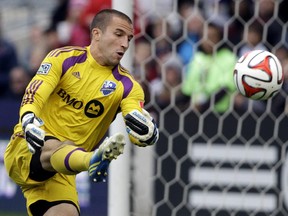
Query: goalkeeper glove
x: 141, y: 128
x: 34, y: 135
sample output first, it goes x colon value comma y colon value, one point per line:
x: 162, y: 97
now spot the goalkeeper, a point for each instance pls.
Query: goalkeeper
x: 65, y: 113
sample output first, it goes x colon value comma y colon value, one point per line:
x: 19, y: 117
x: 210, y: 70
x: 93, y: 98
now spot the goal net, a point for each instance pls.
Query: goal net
x: 209, y: 161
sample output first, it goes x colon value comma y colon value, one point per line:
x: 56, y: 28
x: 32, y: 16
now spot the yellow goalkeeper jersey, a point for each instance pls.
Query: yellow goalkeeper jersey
x: 77, y: 98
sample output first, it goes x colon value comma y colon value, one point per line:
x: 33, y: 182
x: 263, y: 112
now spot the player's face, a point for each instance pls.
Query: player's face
x: 114, y: 41
x: 211, y: 38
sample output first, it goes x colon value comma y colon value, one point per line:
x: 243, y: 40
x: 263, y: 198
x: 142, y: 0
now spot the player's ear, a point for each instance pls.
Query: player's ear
x: 96, y: 33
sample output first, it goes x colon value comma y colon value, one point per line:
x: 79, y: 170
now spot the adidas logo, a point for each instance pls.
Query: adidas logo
x: 76, y: 74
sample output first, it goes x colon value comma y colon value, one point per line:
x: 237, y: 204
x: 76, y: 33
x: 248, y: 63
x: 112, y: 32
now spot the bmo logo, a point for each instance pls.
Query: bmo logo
x: 93, y: 108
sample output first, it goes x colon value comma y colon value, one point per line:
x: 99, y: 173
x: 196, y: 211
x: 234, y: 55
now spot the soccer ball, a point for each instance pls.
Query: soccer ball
x: 258, y: 75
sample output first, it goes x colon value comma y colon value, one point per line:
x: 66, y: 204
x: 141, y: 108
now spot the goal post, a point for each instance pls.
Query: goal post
x: 119, y: 171
x: 205, y: 163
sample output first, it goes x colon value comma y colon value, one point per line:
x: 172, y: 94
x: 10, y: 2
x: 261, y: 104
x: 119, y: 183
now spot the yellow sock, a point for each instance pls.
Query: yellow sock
x: 70, y: 160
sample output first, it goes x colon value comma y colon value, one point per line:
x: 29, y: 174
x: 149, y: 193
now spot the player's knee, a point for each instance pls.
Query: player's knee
x: 59, y: 208
x: 68, y: 142
x: 64, y: 209
x: 50, y: 146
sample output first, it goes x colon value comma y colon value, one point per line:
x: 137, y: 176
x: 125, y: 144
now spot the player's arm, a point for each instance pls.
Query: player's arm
x: 41, y: 86
x: 35, y: 97
x: 140, y: 125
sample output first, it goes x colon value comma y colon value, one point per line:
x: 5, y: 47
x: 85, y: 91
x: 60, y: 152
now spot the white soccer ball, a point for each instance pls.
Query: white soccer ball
x: 258, y: 75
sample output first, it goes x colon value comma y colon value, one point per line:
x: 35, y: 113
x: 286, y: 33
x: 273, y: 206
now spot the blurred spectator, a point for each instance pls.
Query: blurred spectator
x: 8, y: 60
x: 267, y: 14
x: 142, y: 54
x: 59, y: 13
x: 209, y: 79
x: 279, y: 104
x: 158, y: 30
x: 170, y: 91
x: 51, y: 39
x: 216, y: 11
x: 11, y: 100
x: 146, y: 69
x: 243, y: 104
x: 160, y: 7
x: 193, y: 25
x: 161, y: 50
x: 185, y: 8
x: 18, y: 80
x: 37, y: 55
x: 253, y: 39
x: 70, y: 31
x: 154, y: 27
x: 266, y: 9
x: 245, y: 11
x: 36, y: 49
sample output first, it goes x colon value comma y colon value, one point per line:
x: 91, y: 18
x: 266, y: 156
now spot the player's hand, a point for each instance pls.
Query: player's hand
x: 141, y: 128
x: 34, y: 135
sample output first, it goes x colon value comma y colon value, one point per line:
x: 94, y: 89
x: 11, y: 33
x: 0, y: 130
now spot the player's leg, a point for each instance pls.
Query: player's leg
x: 45, y: 198
x: 63, y: 209
x: 64, y: 157
x: 26, y: 170
x: 70, y: 159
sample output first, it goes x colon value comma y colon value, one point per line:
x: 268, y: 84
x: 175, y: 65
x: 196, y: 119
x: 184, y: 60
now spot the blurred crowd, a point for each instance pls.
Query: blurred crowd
x: 184, y: 52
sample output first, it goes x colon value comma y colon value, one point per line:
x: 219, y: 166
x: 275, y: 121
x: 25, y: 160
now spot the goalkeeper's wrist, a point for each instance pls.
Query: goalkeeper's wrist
x: 26, y: 113
x: 31, y: 118
x: 26, y: 118
x: 141, y: 128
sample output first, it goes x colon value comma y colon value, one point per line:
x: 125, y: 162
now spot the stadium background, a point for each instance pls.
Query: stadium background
x: 206, y: 163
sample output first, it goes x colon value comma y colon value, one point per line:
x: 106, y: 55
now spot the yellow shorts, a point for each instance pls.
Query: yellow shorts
x: 59, y: 187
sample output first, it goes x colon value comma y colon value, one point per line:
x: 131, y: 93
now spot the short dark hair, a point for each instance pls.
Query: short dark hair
x: 102, y: 18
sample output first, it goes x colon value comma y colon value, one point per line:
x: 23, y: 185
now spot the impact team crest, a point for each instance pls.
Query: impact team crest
x: 108, y: 87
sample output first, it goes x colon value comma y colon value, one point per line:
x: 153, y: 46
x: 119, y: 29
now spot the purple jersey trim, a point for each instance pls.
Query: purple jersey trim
x: 58, y: 51
x: 127, y: 83
x: 66, y: 161
x: 31, y: 91
x: 71, y: 61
